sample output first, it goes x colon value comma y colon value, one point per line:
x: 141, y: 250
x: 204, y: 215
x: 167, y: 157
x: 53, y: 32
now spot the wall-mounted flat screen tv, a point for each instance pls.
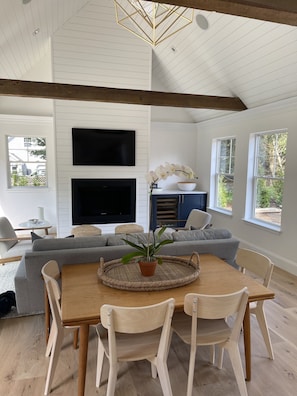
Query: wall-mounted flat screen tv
x: 105, y: 147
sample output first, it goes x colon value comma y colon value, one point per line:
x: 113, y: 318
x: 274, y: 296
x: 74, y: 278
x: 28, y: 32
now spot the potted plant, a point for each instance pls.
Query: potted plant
x: 147, y: 252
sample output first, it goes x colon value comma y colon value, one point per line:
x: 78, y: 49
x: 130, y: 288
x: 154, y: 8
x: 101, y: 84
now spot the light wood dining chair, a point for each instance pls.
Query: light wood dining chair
x: 50, y: 272
x: 204, y: 322
x: 132, y: 334
x: 261, y: 266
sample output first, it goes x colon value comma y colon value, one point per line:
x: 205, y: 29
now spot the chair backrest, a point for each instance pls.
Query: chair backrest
x: 134, y: 320
x: 6, y: 231
x: 198, y: 219
x: 86, y: 230
x: 201, y: 306
x: 128, y: 228
x: 255, y: 262
x: 50, y: 272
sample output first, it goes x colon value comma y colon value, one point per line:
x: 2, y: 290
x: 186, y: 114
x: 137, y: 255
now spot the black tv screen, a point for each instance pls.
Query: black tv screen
x: 103, y: 147
x: 102, y: 201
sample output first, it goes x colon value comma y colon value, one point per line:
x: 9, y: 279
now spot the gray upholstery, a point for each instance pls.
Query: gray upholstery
x: 28, y: 281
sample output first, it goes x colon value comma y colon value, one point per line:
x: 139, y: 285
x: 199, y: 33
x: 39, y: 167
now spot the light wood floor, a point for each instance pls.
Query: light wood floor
x: 23, y: 364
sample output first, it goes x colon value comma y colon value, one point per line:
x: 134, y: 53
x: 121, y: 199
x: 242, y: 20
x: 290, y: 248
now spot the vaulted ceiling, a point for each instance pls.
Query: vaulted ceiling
x: 219, y: 54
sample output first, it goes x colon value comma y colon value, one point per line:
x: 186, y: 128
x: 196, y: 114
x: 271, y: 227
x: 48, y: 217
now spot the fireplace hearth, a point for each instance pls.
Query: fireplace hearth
x: 103, y: 201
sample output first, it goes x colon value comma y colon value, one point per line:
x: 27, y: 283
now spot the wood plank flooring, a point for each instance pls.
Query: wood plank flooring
x: 23, y: 364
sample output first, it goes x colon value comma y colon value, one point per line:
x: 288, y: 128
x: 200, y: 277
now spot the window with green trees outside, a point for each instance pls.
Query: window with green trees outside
x: 26, y: 161
x: 225, y: 173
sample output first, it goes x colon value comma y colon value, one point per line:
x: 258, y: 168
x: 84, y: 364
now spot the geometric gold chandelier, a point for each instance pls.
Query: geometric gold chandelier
x: 150, y: 21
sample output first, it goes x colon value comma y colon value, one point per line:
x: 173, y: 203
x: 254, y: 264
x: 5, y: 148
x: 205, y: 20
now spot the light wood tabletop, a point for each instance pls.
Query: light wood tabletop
x: 83, y: 294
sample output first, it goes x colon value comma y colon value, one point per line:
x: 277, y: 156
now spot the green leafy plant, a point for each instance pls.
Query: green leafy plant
x: 147, y: 251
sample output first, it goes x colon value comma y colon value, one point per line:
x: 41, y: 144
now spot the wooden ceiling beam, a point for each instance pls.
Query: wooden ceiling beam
x: 35, y: 89
x: 279, y: 11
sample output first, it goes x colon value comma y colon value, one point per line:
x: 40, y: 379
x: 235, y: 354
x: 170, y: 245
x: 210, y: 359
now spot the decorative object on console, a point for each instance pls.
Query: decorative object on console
x: 147, y: 252
x: 163, y: 171
x: 150, y: 21
x: 186, y: 186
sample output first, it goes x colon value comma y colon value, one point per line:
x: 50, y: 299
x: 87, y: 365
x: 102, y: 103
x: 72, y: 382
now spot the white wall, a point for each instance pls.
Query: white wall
x: 280, y: 246
x: 173, y: 143
x: 91, y: 49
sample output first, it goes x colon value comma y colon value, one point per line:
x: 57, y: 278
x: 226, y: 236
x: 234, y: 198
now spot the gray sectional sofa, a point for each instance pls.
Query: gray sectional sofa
x: 29, y: 285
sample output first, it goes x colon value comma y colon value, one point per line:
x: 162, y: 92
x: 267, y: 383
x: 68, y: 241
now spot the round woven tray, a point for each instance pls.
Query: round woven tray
x: 174, y: 272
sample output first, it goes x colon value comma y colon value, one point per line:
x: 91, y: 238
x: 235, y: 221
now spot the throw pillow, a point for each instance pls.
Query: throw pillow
x: 35, y: 236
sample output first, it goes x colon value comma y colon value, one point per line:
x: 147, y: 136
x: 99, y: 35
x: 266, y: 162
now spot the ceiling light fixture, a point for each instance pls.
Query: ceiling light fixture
x: 150, y: 21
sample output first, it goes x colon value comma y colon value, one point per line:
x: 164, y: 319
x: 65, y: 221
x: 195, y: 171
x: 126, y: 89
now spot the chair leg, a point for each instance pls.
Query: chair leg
x: 220, y: 357
x: 212, y: 354
x: 100, y: 359
x: 112, y: 379
x: 191, y: 370
x: 51, y: 339
x: 237, y: 368
x: 56, y: 348
x: 154, y: 370
x: 164, y: 379
x: 75, y: 339
x: 260, y: 315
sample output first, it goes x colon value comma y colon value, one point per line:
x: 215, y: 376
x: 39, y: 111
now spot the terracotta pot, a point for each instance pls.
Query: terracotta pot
x: 147, y: 268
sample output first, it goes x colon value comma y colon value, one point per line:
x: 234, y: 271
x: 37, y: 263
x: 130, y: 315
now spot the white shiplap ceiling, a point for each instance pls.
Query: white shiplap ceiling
x: 251, y: 59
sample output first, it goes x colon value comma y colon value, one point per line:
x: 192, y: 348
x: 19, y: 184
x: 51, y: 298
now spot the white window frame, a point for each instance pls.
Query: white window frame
x: 37, y: 164
x: 252, y: 177
x: 215, y: 174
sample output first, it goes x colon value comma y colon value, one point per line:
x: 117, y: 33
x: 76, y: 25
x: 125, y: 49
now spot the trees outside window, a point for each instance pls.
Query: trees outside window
x: 27, y: 161
x: 268, y: 176
x: 224, y: 175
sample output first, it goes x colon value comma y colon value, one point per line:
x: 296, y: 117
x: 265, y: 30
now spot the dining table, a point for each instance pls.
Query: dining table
x: 83, y: 293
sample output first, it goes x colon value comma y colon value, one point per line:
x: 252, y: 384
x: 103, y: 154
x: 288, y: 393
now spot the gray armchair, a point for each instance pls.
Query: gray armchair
x: 12, y: 247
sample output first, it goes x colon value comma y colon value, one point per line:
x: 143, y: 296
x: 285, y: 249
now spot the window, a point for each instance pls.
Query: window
x: 267, y: 181
x: 224, y: 173
x: 27, y: 161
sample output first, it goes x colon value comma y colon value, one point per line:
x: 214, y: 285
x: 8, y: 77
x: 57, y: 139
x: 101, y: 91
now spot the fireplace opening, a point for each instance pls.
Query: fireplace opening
x: 102, y: 201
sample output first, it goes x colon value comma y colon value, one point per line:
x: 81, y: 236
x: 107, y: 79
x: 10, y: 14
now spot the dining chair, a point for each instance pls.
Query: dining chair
x: 51, y: 273
x: 261, y: 266
x: 132, y: 334
x: 204, y: 322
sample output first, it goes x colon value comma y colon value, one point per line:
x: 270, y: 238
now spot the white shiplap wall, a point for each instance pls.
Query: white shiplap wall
x: 91, y: 49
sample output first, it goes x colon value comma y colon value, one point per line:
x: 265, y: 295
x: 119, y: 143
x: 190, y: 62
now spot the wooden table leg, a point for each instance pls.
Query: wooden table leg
x: 83, y: 357
x: 247, y: 342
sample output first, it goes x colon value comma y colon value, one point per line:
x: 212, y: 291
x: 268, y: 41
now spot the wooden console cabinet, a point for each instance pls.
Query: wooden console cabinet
x: 170, y: 206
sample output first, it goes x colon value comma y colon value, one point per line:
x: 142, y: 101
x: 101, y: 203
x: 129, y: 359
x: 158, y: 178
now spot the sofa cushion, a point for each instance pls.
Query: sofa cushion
x: 210, y: 233
x: 68, y: 243
x: 139, y: 237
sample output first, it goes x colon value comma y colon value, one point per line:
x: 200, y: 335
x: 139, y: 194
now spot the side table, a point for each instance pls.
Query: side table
x: 34, y: 224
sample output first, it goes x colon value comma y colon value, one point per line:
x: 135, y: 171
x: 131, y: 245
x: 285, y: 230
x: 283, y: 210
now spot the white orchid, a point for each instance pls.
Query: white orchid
x: 163, y: 171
